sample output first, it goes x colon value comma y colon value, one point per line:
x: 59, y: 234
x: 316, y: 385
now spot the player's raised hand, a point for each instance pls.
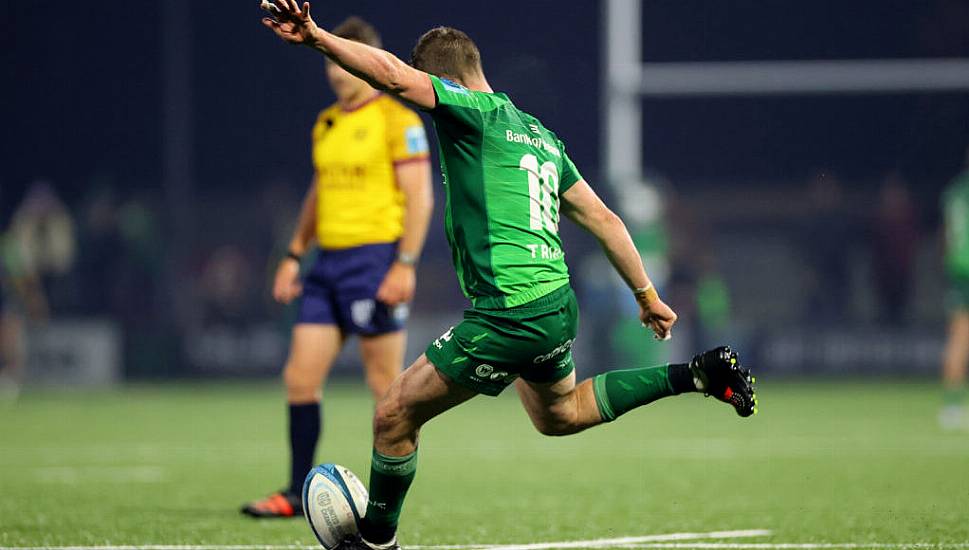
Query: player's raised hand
x: 286, y: 285
x: 290, y: 22
x: 656, y: 315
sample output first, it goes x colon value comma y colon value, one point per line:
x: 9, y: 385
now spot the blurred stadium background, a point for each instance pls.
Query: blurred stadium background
x: 153, y: 170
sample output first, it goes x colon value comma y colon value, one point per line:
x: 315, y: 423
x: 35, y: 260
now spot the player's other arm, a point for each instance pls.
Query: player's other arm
x: 381, y: 69
x: 581, y: 205
x: 414, y: 180
x: 286, y: 285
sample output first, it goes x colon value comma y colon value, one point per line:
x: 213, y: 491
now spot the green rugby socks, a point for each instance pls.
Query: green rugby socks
x: 620, y: 391
x: 390, y: 477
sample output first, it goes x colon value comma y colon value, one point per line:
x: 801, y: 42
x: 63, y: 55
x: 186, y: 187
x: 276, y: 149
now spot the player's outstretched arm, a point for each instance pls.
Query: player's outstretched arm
x: 381, y: 69
x: 581, y: 205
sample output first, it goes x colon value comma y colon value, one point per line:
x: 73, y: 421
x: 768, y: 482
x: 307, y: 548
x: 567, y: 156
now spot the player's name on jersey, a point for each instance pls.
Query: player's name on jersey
x: 545, y: 251
x: 533, y: 141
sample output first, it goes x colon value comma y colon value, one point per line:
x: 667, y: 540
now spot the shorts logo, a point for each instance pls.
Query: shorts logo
x: 361, y: 311
x: 446, y: 337
x: 564, y: 347
x: 401, y: 312
x: 487, y: 372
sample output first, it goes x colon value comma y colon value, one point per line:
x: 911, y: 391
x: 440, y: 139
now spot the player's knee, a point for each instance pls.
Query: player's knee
x: 558, y: 420
x: 555, y: 425
x: 301, y: 386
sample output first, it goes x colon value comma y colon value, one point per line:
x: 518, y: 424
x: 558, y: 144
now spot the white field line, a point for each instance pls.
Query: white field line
x: 618, y: 542
x: 796, y: 545
x: 594, y: 543
x: 640, y: 542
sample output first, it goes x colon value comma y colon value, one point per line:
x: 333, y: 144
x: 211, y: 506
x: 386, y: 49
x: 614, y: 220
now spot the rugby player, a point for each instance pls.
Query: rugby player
x: 368, y: 206
x: 955, y: 209
x: 508, y: 178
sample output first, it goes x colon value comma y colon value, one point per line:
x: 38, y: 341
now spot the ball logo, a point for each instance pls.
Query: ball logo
x: 326, y: 508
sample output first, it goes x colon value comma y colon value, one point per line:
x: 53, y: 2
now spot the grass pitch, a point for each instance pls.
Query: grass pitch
x: 822, y: 463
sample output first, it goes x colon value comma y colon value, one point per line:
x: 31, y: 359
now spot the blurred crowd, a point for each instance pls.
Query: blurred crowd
x: 107, y: 256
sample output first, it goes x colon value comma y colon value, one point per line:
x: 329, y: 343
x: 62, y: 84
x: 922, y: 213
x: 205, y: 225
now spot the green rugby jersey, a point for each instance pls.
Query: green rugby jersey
x: 955, y: 208
x: 504, y: 173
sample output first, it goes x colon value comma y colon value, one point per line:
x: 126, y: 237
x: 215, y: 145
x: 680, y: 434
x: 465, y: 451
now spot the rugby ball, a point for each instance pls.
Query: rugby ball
x: 333, y: 501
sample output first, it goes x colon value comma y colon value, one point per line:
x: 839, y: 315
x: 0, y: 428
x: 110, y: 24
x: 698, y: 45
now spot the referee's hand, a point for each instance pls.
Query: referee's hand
x: 287, y: 286
x: 398, y: 285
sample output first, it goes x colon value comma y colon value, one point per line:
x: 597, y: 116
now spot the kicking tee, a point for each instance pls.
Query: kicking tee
x: 504, y: 173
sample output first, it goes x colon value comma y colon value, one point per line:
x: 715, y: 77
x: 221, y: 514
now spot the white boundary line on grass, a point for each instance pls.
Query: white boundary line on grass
x: 619, y: 542
x: 795, y: 545
x: 593, y: 543
x: 646, y: 542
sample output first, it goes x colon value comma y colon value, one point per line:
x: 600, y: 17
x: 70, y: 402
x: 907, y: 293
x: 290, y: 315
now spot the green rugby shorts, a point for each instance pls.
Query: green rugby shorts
x: 490, y: 348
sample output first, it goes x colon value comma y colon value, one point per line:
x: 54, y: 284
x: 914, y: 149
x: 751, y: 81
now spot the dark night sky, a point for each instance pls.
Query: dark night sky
x: 85, y: 103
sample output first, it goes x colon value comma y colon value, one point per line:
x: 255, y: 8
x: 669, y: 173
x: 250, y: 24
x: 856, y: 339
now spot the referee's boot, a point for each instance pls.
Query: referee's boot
x: 282, y: 504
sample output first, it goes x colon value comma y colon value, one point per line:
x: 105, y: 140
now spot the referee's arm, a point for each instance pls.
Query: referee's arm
x: 414, y: 181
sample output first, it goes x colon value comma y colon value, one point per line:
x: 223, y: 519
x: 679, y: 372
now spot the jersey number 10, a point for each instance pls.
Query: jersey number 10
x: 543, y: 193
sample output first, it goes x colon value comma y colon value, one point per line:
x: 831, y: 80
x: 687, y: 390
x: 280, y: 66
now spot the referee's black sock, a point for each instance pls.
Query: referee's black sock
x: 304, y: 431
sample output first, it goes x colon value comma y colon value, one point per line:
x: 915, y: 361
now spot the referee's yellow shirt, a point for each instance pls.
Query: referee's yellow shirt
x: 354, y: 154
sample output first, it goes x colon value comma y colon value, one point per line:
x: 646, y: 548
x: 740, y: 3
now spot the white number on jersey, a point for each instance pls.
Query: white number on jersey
x: 543, y: 193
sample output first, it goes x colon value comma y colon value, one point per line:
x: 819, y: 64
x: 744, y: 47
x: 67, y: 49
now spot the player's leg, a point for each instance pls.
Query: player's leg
x: 563, y: 408
x: 312, y: 351
x: 380, y: 327
x: 316, y: 341
x: 560, y: 408
x: 419, y: 394
x: 383, y: 358
x: 954, y: 368
x: 11, y: 355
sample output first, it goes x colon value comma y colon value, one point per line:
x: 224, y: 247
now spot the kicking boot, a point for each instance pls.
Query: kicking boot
x: 720, y: 374
x: 283, y: 504
x: 356, y: 542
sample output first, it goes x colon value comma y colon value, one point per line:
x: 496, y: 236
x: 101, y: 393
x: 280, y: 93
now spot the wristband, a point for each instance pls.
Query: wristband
x: 407, y: 259
x: 647, y: 292
x: 294, y: 256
